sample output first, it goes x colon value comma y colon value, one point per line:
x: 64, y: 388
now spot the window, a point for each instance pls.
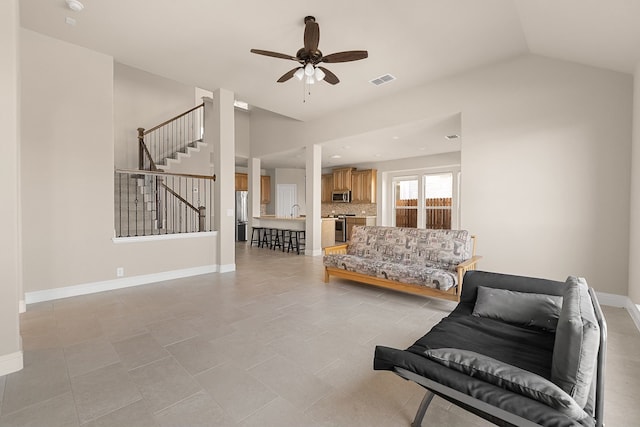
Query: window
x: 406, y: 202
x: 438, y: 192
x: 425, y: 199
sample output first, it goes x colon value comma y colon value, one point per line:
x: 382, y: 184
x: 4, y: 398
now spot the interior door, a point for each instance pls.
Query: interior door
x: 286, y: 197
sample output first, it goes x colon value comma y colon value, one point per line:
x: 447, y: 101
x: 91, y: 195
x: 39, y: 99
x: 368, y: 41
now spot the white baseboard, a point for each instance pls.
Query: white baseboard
x: 108, y: 285
x: 621, y: 301
x: 612, y: 300
x: 11, y: 362
x: 634, y: 312
x: 226, y: 268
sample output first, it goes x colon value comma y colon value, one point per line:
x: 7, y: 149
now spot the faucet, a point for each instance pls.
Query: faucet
x: 292, y: 207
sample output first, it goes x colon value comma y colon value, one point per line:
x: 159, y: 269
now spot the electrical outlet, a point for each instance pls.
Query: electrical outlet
x: 120, y: 271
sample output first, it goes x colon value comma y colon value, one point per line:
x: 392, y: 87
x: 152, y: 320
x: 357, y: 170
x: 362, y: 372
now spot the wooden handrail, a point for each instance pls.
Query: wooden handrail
x: 157, y: 172
x: 179, y: 197
x: 145, y: 150
x: 175, y: 118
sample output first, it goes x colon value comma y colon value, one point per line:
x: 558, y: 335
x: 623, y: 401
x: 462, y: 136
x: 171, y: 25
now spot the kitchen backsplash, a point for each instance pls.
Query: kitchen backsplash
x: 369, y: 209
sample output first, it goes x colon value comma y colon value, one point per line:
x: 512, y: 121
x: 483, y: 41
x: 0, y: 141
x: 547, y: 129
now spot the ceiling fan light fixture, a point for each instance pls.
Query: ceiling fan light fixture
x: 319, y: 75
x: 309, y: 69
x: 299, y: 74
x: 310, y: 80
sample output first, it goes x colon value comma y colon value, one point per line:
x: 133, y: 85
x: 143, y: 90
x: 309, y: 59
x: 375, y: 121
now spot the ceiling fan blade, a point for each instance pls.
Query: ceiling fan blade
x: 273, y: 54
x: 351, y: 55
x: 286, y: 76
x: 311, y: 36
x: 329, y: 77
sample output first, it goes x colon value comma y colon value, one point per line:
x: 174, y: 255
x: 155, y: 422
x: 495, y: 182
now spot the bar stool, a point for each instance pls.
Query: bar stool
x: 266, y: 238
x: 301, y: 241
x: 292, y: 242
x: 297, y: 240
x: 255, y: 236
x: 275, y: 239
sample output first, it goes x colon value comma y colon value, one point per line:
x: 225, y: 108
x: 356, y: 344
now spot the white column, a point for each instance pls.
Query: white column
x: 634, y: 224
x: 254, y: 193
x: 10, y: 269
x: 313, y: 189
x: 219, y: 131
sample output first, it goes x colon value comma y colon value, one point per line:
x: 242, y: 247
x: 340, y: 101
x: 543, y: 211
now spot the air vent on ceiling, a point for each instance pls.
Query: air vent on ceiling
x: 382, y: 79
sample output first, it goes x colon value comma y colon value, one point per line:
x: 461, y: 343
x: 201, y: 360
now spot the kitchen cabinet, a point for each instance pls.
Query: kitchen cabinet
x: 327, y: 188
x: 358, y: 220
x: 342, y: 179
x: 265, y: 189
x: 363, y: 186
x: 242, y: 182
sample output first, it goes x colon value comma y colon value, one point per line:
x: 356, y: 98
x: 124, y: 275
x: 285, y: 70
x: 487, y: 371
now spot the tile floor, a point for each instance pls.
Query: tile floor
x: 267, y: 345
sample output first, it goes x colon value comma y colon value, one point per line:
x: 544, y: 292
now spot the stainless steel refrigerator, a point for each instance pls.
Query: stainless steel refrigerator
x: 242, y: 208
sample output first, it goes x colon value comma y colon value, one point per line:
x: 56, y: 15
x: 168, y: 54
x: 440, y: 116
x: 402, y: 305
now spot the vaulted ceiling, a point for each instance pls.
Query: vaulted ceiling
x: 206, y: 43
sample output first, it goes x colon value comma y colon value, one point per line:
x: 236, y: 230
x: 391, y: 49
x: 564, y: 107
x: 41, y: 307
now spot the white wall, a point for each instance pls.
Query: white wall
x: 10, y: 344
x: 242, y: 132
x: 634, y: 231
x: 67, y: 161
x: 144, y: 100
x: 545, y: 161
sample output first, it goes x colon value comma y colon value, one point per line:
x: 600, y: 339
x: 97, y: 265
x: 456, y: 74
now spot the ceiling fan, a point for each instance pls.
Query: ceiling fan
x: 309, y: 57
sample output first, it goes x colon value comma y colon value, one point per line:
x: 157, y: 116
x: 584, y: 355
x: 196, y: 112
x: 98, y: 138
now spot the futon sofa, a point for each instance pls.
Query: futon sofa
x: 517, y: 351
x: 418, y: 261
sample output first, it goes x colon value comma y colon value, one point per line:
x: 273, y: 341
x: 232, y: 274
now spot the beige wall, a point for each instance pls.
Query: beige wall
x: 10, y: 357
x: 634, y: 232
x: 67, y: 162
x: 545, y: 161
x: 144, y: 100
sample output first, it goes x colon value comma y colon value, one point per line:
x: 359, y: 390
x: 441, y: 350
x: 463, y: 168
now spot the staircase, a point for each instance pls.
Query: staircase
x: 162, y: 196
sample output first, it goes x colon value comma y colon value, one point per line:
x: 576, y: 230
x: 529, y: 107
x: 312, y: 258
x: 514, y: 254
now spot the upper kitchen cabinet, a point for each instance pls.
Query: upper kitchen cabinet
x: 265, y: 189
x: 342, y: 179
x: 242, y: 182
x: 327, y: 188
x: 363, y: 186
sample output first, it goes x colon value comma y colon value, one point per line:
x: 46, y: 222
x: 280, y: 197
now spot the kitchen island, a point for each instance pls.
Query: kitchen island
x: 296, y: 223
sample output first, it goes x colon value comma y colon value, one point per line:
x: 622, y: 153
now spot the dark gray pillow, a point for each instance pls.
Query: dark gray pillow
x: 529, y: 309
x: 575, y: 350
x: 508, y: 377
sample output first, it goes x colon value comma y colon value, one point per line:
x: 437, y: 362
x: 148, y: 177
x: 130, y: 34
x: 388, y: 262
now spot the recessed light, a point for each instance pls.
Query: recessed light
x: 378, y: 155
x: 75, y: 5
x: 422, y: 148
x: 452, y: 137
x: 346, y: 147
x: 395, y: 137
x: 336, y: 156
x: 70, y: 21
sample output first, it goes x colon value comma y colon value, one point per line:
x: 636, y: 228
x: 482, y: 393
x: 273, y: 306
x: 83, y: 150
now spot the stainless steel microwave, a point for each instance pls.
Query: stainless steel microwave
x: 341, y: 196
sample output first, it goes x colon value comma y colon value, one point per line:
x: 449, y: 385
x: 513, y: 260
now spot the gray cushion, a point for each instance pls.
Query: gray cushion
x: 575, y: 350
x: 521, y: 308
x: 508, y: 377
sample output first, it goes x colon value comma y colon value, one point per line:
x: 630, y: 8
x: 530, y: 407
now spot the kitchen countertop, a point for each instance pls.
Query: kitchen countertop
x: 281, y: 218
